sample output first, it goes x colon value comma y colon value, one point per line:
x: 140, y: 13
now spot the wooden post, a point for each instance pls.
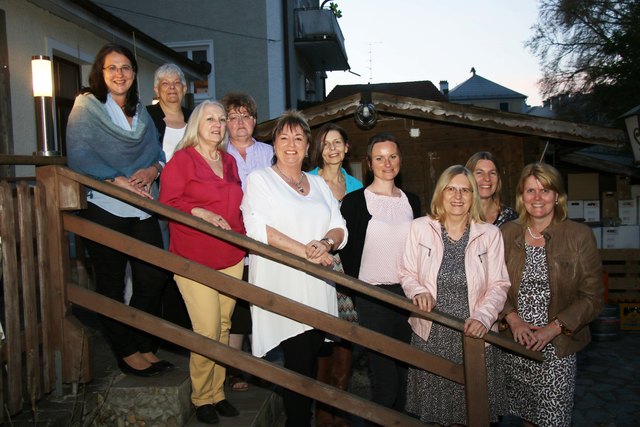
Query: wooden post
x: 67, y: 335
x: 11, y: 300
x: 475, y: 380
x: 29, y: 315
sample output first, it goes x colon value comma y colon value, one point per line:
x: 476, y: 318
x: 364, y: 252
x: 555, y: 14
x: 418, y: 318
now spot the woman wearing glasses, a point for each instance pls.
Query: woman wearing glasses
x: 169, y: 116
x: 111, y: 137
x: 454, y: 262
x: 249, y: 155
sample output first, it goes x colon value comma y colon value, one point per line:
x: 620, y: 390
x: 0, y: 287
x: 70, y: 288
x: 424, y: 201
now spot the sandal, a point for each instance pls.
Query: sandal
x: 237, y: 383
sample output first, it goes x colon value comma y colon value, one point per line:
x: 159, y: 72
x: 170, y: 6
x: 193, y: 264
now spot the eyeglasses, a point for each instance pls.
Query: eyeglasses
x: 126, y: 70
x: 237, y: 118
x: 450, y: 190
x: 167, y: 85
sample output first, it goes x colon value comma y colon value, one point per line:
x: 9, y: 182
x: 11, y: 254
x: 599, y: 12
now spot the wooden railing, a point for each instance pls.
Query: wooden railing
x: 63, y: 193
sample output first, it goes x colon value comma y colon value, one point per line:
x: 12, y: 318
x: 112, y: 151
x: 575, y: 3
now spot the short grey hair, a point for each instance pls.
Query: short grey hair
x: 168, y: 70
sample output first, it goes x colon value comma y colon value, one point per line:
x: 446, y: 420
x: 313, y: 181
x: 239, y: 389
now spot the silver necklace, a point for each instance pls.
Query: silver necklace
x: 298, y: 184
x: 541, y: 236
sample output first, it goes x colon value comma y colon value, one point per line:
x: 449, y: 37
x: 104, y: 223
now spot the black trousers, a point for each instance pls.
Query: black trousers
x: 388, y: 376
x: 300, y: 355
x: 110, y: 265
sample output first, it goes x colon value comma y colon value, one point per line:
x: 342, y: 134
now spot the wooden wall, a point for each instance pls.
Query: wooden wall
x: 439, y: 146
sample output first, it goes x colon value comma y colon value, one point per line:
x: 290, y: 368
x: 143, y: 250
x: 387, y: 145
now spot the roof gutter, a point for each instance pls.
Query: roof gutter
x: 88, y: 15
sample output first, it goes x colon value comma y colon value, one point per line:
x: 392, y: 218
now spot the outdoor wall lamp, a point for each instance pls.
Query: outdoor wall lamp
x: 632, y: 123
x: 366, y: 116
x: 42, y: 75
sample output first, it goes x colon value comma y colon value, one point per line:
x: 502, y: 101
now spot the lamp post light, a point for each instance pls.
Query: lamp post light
x: 42, y: 75
x: 632, y: 123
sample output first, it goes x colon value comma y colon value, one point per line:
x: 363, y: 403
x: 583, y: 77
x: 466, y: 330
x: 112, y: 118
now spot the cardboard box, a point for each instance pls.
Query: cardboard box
x: 630, y: 316
x: 635, y: 191
x: 591, y: 210
x: 576, y: 209
x: 622, y: 237
x: 597, y: 232
x: 628, y: 212
x: 623, y: 187
x: 609, y: 203
x: 583, y: 186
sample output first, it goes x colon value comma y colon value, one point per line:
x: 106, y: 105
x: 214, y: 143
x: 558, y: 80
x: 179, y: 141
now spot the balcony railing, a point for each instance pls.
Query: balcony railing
x: 319, y: 40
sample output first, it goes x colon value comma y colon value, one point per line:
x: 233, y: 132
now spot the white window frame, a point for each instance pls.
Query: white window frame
x: 199, y: 45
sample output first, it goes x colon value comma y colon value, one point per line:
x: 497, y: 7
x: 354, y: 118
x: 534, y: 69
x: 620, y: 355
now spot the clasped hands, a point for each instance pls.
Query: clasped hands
x: 318, y: 253
x: 533, y: 337
x: 140, y: 182
x: 472, y: 327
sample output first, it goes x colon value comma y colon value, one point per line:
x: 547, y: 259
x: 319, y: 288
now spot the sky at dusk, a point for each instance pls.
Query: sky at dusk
x: 411, y: 40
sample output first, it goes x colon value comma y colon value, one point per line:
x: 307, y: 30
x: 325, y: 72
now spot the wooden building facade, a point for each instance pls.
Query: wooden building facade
x: 434, y: 135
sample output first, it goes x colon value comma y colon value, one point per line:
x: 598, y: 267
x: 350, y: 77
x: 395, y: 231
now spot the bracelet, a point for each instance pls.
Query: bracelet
x: 158, y: 167
x: 563, y: 329
x: 329, y: 242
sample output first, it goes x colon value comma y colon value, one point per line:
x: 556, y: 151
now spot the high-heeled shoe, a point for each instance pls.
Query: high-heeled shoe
x: 147, y: 372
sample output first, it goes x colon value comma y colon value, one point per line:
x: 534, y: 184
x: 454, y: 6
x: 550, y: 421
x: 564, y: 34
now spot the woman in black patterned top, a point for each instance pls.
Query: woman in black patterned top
x: 486, y: 172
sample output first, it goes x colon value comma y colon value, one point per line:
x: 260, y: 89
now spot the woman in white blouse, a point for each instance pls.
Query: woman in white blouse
x: 296, y: 212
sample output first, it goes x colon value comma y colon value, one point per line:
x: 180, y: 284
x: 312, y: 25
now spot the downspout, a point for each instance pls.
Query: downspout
x: 287, y: 58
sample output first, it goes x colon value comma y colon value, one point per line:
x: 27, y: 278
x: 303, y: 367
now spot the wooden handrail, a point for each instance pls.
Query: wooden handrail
x: 236, y: 358
x: 33, y: 160
x: 63, y: 188
x: 263, y: 298
x: 291, y: 260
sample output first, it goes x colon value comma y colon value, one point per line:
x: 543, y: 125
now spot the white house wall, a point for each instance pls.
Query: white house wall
x: 246, y: 34
x: 34, y: 31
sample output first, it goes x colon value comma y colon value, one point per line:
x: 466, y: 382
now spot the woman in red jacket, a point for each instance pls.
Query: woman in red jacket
x: 203, y: 180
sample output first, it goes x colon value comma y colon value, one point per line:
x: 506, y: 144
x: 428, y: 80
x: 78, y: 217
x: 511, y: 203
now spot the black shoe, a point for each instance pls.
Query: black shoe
x: 207, y: 414
x: 226, y: 409
x: 148, y: 372
x: 164, y: 365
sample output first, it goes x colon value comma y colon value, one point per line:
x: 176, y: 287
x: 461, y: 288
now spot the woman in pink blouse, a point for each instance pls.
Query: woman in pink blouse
x: 203, y: 180
x: 378, y: 220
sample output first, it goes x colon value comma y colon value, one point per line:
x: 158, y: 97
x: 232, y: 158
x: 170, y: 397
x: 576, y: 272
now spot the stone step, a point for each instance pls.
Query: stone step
x: 165, y: 401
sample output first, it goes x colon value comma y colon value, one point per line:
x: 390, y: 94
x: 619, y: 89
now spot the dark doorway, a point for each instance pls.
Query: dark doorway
x: 66, y: 78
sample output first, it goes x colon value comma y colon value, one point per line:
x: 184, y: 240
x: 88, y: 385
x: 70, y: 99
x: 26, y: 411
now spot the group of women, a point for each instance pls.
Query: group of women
x: 453, y: 260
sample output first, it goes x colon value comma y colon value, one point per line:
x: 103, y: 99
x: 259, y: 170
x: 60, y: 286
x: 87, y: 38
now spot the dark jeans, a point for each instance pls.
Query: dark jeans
x: 110, y: 265
x: 388, y: 376
x: 300, y: 354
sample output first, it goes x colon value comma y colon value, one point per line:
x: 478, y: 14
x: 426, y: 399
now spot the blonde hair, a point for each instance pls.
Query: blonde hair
x: 190, y: 138
x: 437, y: 205
x: 550, y: 179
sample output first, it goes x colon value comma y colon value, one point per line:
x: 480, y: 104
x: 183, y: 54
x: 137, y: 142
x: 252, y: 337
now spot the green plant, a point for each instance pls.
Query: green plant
x: 334, y: 8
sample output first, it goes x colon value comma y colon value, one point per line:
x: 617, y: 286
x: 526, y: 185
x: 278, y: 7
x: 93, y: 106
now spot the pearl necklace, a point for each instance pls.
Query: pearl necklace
x: 298, y: 184
x: 541, y: 236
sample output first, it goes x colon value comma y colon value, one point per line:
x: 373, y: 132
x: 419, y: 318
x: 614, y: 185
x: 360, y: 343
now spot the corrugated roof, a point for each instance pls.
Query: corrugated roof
x: 421, y: 89
x: 477, y: 87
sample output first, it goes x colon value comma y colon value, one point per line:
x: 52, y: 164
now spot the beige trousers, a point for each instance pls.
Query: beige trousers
x: 210, y: 313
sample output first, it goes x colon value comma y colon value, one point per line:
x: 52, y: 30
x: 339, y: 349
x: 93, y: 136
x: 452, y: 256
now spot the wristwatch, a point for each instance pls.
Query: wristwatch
x: 329, y: 241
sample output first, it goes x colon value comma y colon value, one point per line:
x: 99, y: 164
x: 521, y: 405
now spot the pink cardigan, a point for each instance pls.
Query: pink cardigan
x: 487, y: 277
